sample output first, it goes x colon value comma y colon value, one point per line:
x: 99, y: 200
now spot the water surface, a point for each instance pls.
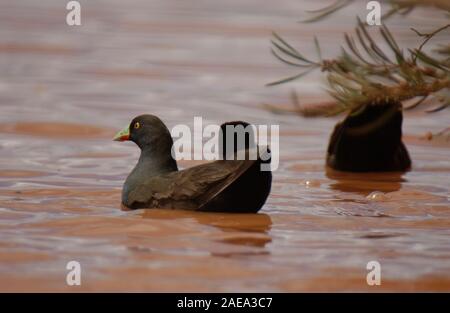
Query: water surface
x: 65, y: 91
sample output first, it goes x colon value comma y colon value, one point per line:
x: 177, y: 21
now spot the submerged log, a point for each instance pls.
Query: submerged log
x: 369, y: 140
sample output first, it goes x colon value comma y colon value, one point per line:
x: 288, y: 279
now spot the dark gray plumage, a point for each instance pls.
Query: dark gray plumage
x: 156, y: 182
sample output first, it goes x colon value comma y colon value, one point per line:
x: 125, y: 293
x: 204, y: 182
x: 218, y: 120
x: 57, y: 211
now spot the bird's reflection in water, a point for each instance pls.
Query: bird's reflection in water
x: 365, y: 183
x: 239, y: 228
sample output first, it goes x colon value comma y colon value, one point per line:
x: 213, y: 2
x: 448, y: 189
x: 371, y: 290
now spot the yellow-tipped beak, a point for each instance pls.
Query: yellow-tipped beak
x: 123, y: 135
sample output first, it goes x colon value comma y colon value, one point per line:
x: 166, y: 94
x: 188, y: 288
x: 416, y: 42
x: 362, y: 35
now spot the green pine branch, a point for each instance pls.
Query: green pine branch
x: 366, y: 74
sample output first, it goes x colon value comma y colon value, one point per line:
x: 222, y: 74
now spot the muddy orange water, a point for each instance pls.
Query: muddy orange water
x: 65, y: 91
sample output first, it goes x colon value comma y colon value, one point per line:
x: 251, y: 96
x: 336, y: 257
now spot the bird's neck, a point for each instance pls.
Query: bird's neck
x: 149, y: 165
x: 155, y: 162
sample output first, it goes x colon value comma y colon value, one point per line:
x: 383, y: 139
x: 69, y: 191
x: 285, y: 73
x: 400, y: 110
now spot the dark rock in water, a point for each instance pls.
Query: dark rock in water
x: 369, y: 140
x: 219, y: 186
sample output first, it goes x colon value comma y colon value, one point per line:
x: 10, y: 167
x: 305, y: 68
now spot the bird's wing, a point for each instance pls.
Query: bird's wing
x: 190, y: 188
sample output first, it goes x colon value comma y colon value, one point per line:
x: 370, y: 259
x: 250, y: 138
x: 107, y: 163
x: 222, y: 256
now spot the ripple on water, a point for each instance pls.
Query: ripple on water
x: 60, y: 180
x: 56, y: 130
x: 17, y: 173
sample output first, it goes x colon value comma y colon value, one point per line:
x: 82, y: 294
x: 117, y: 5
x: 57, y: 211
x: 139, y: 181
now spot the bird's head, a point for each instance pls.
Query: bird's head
x: 147, y: 131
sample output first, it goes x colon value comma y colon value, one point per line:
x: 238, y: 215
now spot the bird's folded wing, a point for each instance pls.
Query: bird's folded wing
x: 189, y: 188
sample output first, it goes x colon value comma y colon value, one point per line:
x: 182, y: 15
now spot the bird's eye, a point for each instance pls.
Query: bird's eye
x: 137, y: 125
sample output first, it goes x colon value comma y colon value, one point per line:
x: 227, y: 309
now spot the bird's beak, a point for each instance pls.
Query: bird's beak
x: 123, y: 135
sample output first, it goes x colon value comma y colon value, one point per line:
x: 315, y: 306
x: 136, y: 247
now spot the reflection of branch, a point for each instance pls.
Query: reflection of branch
x: 402, y: 7
x: 427, y: 36
x: 443, y: 134
x: 307, y: 109
x: 328, y: 10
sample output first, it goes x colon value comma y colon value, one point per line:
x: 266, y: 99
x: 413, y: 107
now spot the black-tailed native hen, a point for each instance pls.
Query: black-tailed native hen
x: 219, y: 186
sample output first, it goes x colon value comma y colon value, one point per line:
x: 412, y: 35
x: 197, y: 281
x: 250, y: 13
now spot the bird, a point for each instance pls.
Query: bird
x: 369, y: 140
x: 224, y: 185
